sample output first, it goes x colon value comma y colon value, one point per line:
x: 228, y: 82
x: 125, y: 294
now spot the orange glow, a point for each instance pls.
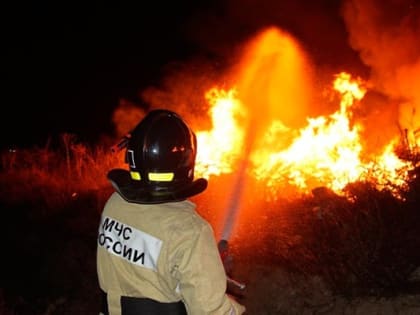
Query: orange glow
x: 260, y: 122
x: 273, y: 80
x: 221, y: 146
x: 328, y: 151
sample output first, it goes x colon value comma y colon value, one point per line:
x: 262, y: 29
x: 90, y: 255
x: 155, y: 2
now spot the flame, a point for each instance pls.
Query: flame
x: 221, y: 146
x: 327, y: 151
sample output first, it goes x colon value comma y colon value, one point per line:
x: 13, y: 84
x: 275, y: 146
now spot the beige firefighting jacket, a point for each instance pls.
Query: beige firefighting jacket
x: 165, y: 252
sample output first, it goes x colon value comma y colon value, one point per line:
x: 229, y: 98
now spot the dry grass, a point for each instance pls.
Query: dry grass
x: 54, y: 176
x: 316, y: 247
x: 358, y: 246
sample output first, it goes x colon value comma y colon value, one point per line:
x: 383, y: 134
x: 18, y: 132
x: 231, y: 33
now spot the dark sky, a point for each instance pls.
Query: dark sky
x: 67, y: 64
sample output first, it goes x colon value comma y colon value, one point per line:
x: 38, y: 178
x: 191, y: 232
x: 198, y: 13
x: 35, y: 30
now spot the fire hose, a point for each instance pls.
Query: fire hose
x: 223, y: 247
x: 236, y: 284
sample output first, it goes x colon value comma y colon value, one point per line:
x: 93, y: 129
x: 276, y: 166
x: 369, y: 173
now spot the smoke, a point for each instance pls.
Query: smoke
x: 386, y: 35
x: 125, y: 117
x: 218, y: 32
x: 382, y: 34
x: 183, y: 87
x: 316, y: 24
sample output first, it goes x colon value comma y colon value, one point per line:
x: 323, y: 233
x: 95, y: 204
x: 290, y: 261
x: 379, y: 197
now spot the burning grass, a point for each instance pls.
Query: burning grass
x: 364, y: 242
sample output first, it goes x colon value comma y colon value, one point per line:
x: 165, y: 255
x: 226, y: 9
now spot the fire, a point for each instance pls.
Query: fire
x: 256, y: 128
x: 389, y: 170
x: 221, y: 146
x: 327, y: 152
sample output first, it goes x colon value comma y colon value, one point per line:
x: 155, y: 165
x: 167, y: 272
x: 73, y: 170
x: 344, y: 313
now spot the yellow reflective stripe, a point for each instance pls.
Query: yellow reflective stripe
x: 161, y: 177
x: 135, y: 175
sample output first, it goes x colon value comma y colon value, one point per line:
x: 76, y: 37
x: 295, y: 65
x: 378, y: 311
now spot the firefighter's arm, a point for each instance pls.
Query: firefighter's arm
x: 203, y: 278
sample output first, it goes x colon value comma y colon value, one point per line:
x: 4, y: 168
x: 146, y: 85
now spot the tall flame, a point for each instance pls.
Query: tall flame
x: 219, y: 147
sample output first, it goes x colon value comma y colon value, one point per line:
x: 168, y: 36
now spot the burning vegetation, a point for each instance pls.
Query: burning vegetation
x: 329, y: 150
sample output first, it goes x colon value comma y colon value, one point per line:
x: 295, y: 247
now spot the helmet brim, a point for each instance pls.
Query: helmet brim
x: 133, y: 192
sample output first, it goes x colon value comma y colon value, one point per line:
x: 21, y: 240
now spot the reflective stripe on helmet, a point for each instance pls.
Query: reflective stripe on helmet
x: 135, y: 175
x: 161, y: 177
x: 154, y: 177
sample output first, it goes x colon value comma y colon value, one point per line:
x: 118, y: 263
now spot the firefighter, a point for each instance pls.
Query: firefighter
x: 155, y: 253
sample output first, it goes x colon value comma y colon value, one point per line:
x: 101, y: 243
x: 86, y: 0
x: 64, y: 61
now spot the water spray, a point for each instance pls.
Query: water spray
x: 231, y: 215
x: 234, y: 202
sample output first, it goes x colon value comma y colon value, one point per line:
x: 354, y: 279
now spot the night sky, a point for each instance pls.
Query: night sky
x: 67, y: 64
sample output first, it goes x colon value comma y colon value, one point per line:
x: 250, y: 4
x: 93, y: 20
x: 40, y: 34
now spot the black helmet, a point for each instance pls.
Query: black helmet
x: 161, y: 153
